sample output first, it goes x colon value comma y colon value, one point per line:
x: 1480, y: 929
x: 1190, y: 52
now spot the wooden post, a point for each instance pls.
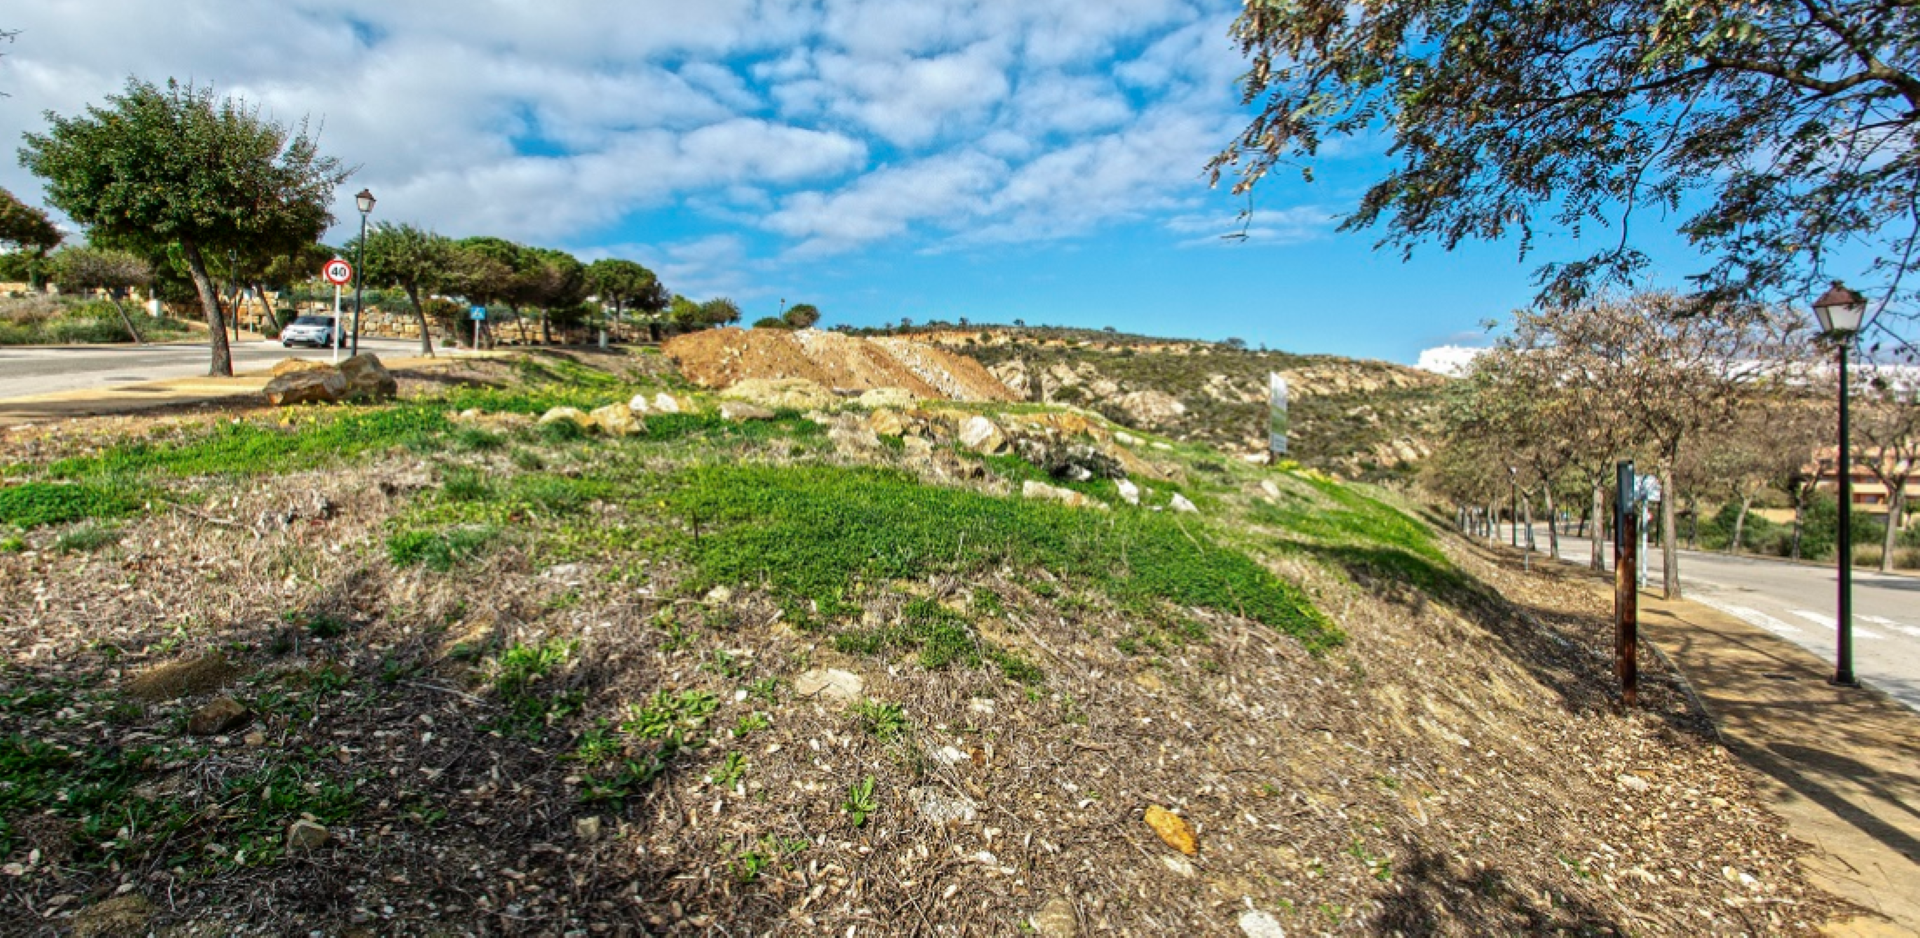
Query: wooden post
x: 1626, y: 593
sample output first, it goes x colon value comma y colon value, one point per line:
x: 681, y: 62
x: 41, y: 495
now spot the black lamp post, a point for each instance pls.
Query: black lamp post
x: 1513, y: 481
x: 364, y: 201
x: 1840, y: 311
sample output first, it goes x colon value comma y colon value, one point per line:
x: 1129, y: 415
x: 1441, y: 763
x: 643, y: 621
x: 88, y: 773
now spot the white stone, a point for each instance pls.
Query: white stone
x: 830, y: 684
x: 1129, y: 492
x: 639, y: 404
x: 982, y: 436
x: 664, y: 403
x: 1180, y: 504
x: 1257, y: 924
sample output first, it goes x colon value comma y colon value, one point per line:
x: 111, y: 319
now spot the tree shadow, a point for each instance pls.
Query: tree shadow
x: 1432, y: 896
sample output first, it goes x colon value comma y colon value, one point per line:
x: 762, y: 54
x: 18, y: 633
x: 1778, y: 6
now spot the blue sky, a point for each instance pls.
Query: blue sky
x: 987, y: 159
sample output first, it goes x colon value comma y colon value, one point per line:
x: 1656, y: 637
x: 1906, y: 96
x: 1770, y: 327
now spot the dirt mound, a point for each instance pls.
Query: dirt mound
x: 718, y: 358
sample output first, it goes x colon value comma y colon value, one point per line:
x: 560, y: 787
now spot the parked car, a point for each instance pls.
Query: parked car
x: 316, y: 331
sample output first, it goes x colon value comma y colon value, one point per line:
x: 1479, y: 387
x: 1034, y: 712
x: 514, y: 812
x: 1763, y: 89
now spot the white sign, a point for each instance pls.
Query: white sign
x: 1646, y: 488
x: 1278, y: 422
x: 338, y: 272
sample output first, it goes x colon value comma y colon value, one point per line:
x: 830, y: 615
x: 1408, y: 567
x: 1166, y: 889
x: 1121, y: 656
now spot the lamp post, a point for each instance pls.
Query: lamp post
x: 364, y: 201
x: 1840, y: 311
x: 1513, y: 526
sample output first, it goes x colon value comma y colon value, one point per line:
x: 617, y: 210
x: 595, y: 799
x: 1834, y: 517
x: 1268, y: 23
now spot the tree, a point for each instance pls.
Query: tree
x: 28, y: 230
x: 720, y: 311
x: 172, y: 165
x: 413, y: 259
x: 557, y: 281
x: 114, y: 272
x: 494, y: 270
x: 625, y: 285
x: 772, y: 322
x: 1890, y: 426
x: 803, y: 315
x: 1786, y: 130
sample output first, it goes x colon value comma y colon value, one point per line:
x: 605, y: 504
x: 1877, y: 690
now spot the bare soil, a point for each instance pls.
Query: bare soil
x: 718, y: 358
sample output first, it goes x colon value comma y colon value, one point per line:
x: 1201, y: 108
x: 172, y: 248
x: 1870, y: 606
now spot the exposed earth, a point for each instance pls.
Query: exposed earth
x: 436, y: 667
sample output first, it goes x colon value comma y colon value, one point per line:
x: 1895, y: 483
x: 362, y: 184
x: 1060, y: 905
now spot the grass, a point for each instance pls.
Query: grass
x: 1362, y: 535
x: 85, y: 539
x: 519, y: 680
x: 817, y: 535
x: 32, y: 504
x: 438, y: 550
x: 941, y: 637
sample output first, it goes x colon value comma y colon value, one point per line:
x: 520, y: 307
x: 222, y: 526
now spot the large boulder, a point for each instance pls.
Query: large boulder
x: 782, y: 393
x: 618, y: 420
x: 742, y: 411
x: 573, y: 415
x: 287, y: 366
x: 887, y: 397
x: 982, y: 436
x: 367, y: 379
x: 306, y: 387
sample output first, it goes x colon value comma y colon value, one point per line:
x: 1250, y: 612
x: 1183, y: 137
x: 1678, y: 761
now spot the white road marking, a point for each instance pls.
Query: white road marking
x: 1752, y: 616
x: 1820, y: 619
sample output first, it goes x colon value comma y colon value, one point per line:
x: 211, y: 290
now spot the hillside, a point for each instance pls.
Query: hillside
x: 438, y: 667
x: 1365, y: 420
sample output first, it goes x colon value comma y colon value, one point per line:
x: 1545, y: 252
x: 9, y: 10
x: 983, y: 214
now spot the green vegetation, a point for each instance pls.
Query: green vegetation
x: 810, y: 531
x: 439, y: 551
x: 1360, y: 534
x: 860, y: 803
x: 32, y: 504
x: 941, y: 636
x: 85, y: 539
x: 48, y: 321
x: 886, y: 722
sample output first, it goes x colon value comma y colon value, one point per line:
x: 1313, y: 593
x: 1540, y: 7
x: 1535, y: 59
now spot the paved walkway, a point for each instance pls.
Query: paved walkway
x: 1842, y: 766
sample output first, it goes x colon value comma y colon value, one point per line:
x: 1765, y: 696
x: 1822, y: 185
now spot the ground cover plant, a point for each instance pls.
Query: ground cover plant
x: 527, y: 683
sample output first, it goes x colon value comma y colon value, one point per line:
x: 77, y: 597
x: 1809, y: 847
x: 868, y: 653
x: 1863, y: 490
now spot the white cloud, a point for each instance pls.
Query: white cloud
x: 1449, y: 360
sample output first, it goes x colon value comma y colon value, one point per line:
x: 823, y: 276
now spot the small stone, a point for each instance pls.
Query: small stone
x: 1129, y: 492
x: 1180, y: 504
x: 306, y: 387
x: 304, y: 835
x: 1053, y: 493
x: 664, y: 403
x: 218, y: 716
x: 587, y: 828
x: 886, y: 397
x: 255, y: 738
x: 741, y: 412
x: 639, y: 404
x: 831, y: 684
x: 1256, y: 924
x: 1125, y: 439
x: 982, y: 436
x: 1173, y: 829
x: 1178, y: 865
x: 888, y: 422
x: 941, y: 809
x: 1055, y: 920
x: 949, y: 755
x: 617, y: 420
x: 1634, y: 783
x: 1271, y: 490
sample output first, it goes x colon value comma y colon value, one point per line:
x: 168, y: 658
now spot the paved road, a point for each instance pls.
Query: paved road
x: 1796, y: 602
x: 43, y: 370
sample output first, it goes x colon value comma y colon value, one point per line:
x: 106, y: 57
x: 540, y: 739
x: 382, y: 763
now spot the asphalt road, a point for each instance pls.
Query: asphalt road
x: 45, y: 370
x: 1797, y: 602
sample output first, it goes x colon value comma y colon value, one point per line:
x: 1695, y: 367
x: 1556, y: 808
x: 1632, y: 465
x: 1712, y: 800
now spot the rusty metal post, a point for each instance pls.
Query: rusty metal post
x: 1626, y: 592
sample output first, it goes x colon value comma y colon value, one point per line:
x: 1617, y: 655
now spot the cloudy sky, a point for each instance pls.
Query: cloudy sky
x: 993, y: 159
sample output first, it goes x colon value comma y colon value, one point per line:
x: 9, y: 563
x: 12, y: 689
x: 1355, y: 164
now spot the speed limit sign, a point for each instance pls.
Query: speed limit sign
x: 338, y: 272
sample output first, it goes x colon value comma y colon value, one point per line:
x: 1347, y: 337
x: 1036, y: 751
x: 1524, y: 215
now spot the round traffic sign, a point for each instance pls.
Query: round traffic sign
x: 338, y: 272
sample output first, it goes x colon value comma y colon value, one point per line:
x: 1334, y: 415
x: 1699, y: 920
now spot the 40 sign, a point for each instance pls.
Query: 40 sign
x: 338, y: 272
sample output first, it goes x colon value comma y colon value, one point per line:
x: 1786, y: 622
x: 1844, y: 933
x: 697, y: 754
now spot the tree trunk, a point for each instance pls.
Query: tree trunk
x: 420, y: 314
x: 1669, y: 535
x: 266, y: 308
x: 1553, y: 530
x: 519, y: 323
x: 546, y: 327
x: 1896, y: 508
x: 1493, y: 522
x: 222, y: 366
x: 125, y: 320
x: 1799, y: 513
x: 1598, y: 557
x: 1740, y: 524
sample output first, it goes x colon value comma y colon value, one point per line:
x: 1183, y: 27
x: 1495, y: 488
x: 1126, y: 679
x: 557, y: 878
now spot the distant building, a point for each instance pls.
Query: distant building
x: 1449, y: 360
x: 1868, y: 494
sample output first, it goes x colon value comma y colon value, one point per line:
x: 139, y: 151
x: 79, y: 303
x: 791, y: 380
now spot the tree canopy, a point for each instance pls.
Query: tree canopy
x: 417, y: 261
x: 173, y: 165
x: 1780, y: 135
x: 802, y: 315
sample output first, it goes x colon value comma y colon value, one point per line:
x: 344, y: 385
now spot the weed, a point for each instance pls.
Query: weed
x: 527, y: 460
x: 729, y: 772
x: 12, y: 544
x: 597, y: 746
x: 724, y: 663
x: 561, y: 431
x: 440, y: 551
x: 464, y: 484
x: 475, y: 440
x: 941, y: 636
x: 885, y: 721
x: 766, y: 688
x: 516, y: 672
x: 32, y: 504
x: 765, y: 853
x: 750, y: 723
x: 675, y: 717
x: 85, y: 539
x: 860, y: 803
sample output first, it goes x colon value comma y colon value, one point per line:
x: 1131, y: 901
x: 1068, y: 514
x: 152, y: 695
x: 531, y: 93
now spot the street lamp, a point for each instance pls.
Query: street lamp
x: 1513, y: 526
x: 364, y: 201
x: 1840, y: 311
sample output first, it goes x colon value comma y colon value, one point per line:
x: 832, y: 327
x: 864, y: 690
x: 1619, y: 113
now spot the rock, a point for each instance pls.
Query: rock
x: 574, y: 415
x: 617, y: 420
x: 854, y: 441
x: 1179, y: 865
x: 982, y: 436
x: 1078, y: 463
x: 639, y: 404
x: 941, y: 809
x: 1173, y: 829
x: 1634, y: 783
x: 1180, y: 504
x: 1125, y: 439
x: 255, y: 739
x: 587, y: 828
x: 367, y: 379
x: 304, y: 835
x: 949, y: 755
x: 1150, y: 408
x: 1053, y: 493
x: 287, y: 366
x: 1257, y: 924
x: 119, y: 917
x: 741, y: 412
x: 1272, y: 490
x: 1055, y: 920
x: 788, y: 393
x: 888, y: 422
x: 664, y: 403
x: 1129, y: 492
x: 831, y: 685
x: 306, y: 387
x: 218, y: 716
x: 887, y: 397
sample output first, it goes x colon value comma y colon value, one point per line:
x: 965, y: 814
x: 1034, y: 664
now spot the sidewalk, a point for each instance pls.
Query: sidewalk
x: 1841, y: 766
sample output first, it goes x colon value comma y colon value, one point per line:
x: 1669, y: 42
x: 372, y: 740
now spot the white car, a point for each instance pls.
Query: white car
x: 316, y: 331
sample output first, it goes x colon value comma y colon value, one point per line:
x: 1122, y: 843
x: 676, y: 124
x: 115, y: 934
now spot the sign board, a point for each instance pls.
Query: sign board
x: 477, y: 313
x: 1646, y: 489
x: 338, y: 272
x: 1278, y: 422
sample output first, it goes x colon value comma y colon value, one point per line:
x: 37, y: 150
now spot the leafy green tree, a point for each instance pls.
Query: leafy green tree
x: 113, y: 272
x: 1781, y: 135
x: 29, y: 231
x: 802, y: 315
x: 624, y: 285
x: 415, y: 260
x: 772, y: 322
x: 557, y: 285
x: 720, y: 311
x: 172, y: 165
x: 490, y: 270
